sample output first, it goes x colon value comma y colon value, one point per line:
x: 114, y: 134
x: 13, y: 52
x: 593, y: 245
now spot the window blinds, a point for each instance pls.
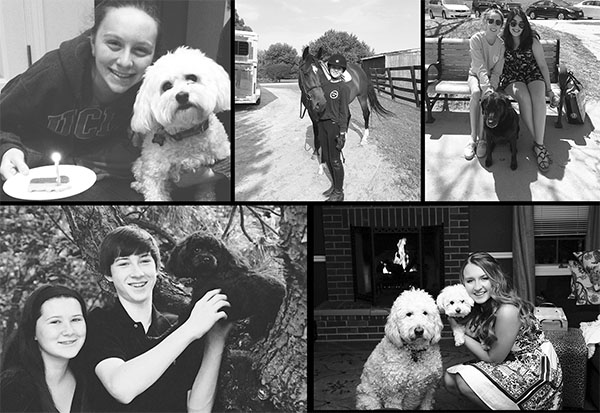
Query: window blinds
x: 560, y: 220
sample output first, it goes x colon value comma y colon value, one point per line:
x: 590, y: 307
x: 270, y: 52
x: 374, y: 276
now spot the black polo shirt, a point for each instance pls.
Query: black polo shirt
x: 112, y: 333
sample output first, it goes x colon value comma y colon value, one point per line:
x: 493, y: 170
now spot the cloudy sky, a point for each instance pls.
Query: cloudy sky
x: 384, y: 25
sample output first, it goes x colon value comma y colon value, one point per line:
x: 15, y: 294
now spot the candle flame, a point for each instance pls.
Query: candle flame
x: 56, y: 157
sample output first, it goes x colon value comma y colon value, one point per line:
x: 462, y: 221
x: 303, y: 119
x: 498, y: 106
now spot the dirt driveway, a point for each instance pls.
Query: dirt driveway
x: 273, y: 148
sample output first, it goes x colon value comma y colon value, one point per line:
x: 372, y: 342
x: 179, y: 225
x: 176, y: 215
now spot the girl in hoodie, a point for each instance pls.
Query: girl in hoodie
x: 78, y: 100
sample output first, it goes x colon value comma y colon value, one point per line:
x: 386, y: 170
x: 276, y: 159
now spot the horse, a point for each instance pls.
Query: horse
x: 312, y: 72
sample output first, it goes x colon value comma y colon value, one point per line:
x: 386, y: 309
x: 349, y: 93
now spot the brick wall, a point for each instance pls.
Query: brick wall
x: 336, y: 228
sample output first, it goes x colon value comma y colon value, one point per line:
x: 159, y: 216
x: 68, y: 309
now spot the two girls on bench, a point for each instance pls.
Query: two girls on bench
x: 526, y: 78
x: 487, y: 61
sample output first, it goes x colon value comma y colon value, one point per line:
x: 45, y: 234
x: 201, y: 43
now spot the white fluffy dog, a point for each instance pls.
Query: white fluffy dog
x: 406, y: 366
x: 455, y: 302
x: 175, y: 112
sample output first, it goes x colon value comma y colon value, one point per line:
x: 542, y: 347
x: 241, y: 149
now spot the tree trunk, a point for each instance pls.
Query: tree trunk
x: 277, y: 379
x: 282, y: 358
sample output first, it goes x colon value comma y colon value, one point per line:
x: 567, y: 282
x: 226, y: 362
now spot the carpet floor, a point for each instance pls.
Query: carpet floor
x: 337, y: 368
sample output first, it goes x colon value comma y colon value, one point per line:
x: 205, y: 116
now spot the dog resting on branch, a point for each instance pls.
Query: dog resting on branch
x: 253, y: 296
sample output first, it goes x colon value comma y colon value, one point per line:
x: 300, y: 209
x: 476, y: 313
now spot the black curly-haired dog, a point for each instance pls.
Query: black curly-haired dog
x: 500, y: 121
x: 211, y: 264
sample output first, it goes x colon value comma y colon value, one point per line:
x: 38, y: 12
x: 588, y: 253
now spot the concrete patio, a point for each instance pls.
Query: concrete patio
x: 574, y: 174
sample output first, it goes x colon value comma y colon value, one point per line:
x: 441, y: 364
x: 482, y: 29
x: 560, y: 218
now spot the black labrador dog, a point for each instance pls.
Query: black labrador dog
x: 209, y: 262
x: 500, y: 122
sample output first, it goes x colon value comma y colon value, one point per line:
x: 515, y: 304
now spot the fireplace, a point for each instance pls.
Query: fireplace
x: 381, y: 273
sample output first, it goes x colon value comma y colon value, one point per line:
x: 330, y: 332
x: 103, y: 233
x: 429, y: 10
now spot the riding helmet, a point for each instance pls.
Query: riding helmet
x: 337, y: 60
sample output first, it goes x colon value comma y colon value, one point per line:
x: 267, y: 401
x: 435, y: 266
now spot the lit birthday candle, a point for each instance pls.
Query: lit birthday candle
x: 56, y: 159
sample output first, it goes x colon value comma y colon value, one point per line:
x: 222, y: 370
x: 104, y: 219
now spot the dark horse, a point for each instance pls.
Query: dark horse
x: 312, y: 73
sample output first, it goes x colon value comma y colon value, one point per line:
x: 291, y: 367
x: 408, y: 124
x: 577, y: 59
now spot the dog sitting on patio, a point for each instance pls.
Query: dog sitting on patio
x: 500, y: 122
x: 174, y: 112
x: 455, y: 302
x: 405, y: 368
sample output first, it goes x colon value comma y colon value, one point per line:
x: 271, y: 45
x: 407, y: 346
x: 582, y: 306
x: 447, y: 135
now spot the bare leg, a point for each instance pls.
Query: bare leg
x: 520, y: 92
x: 450, y: 383
x: 537, y: 90
x: 465, y: 390
x: 475, y: 109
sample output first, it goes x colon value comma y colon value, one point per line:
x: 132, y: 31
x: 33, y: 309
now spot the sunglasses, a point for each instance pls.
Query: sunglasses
x: 492, y: 21
x: 514, y: 24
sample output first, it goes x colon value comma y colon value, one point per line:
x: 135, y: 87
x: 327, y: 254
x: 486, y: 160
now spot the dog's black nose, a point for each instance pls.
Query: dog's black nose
x: 419, y: 331
x: 182, y: 97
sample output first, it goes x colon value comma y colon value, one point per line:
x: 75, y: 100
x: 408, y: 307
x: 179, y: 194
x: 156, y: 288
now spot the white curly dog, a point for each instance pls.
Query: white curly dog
x: 455, y: 302
x: 405, y: 368
x: 175, y: 111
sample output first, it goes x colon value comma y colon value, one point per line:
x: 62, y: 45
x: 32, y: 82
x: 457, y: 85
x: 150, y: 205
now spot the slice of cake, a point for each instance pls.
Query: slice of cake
x: 49, y: 184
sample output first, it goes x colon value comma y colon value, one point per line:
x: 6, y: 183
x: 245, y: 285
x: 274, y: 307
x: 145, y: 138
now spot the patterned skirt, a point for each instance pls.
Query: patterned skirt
x: 527, y: 381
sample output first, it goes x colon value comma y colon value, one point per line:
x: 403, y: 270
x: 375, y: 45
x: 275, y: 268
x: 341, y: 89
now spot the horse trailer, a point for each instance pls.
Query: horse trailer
x: 246, y: 67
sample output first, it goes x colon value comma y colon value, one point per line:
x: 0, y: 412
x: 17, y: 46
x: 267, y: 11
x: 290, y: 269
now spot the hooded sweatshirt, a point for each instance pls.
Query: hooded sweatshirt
x: 49, y: 108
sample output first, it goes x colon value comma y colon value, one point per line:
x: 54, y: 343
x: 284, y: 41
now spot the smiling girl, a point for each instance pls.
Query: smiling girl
x: 526, y: 78
x: 78, y: 100
x: 41, y: 368
x: 518, y: 367
x: 487, y: 59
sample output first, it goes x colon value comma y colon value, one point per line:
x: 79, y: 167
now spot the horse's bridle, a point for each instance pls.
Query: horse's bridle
x: 306, y: 91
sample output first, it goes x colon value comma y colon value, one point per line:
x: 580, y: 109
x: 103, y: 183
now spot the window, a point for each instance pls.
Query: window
x: 559, y: 231
x: 242, y: 48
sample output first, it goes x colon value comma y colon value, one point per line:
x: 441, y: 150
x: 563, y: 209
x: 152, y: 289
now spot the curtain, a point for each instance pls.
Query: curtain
x: 592, y: 239
x: 524, y: 252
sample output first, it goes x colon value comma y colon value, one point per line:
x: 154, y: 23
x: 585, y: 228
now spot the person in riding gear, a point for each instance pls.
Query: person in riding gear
x: 333, y: 125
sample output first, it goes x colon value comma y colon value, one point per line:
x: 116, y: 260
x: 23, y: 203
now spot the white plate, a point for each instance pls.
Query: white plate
x: 80, y: 179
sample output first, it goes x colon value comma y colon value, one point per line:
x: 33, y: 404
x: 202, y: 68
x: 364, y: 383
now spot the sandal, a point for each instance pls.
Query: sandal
x: 542, y: 157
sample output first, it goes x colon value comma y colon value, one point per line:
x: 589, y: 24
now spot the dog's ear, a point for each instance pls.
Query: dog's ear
x: 223, y: 89
x: 438, y: 326
x: 441, y: 302
x: 143, y: 120
x: 391, y: 330
x: 484, y: 103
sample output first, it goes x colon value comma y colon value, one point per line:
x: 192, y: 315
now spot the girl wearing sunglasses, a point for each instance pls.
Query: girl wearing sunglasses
x: 526, y: 78
x: 487, y: 60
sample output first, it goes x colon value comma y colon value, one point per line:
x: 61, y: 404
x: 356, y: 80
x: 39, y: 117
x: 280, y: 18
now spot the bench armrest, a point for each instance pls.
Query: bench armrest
x: 437, y: 68
x: 562, y: 77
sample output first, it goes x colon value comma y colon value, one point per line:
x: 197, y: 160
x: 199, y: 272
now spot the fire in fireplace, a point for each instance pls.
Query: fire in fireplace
x: 387, y: 261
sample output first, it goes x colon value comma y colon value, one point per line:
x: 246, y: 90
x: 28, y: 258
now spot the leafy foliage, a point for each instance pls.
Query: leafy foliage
x: 347, y: 44
x: 36, y: 245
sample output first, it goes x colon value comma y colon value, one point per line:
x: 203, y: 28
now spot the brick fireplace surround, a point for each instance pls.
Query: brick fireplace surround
x: 340, y: 317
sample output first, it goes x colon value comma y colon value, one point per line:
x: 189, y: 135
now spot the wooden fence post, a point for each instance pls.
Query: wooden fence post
x: 389, y: 75
x: 414, y: 83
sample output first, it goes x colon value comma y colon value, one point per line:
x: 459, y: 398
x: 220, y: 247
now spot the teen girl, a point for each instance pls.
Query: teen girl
x: 41, y: 368
x: 333, y: 125
x: 526, y: 78
x: 487, y: 59
x: 78, y: 100
x: 133, y: 349
x: 518, y: 367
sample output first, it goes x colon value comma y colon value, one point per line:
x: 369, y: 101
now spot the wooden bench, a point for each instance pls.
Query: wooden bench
x: 448, y: 74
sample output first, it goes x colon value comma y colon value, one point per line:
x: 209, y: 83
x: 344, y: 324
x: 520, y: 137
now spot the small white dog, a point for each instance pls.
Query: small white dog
x: 405, y: 368
x: 175, y: 112
x: 455, y: 302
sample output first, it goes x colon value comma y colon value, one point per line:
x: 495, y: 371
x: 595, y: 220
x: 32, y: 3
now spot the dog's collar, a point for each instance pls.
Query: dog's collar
x: 414, y: 353
x: 161, y: 135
